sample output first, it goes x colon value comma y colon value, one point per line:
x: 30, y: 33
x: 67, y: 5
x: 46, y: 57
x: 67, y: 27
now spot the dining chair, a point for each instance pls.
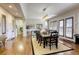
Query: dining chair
x: 53, y: 39
x: 38, y: 37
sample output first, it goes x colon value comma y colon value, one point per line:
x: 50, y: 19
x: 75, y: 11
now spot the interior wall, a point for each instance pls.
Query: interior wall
x: 9, y: 24
x: 24, y: 9
x: 72, y: 13
x: 36, y: 21
x: 33, y: 21
x: 29, y: 21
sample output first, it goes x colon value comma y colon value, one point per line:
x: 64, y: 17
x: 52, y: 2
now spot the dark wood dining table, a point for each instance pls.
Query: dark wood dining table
x: 44, y: 38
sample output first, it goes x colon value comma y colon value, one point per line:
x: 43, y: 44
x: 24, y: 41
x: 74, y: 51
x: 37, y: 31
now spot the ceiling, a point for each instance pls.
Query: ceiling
x: 12, y: 8
x: 35, y: 10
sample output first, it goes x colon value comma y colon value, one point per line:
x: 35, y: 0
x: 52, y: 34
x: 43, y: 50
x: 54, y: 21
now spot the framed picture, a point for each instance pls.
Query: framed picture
x: 3, y: 24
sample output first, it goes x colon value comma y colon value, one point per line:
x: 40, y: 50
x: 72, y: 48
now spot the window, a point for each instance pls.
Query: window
x: 3, y: 24
x: 51, y: 26
x: 55, y: 25
x: 61, y: 27
x: 69, y: 27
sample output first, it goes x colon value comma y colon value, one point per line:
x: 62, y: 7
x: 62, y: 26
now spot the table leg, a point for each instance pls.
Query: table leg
x: 56, y: 43
x: 50, y: 44
x: 44, y: 43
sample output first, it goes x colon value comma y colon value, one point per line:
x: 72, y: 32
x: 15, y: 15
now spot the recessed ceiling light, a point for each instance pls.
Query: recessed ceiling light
x: 10, y: 6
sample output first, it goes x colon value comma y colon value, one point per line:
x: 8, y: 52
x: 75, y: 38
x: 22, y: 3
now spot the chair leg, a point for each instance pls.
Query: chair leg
x: 57, y: 44
x: 50, y: 44
x: 40, y: 42
x: 46, y: 43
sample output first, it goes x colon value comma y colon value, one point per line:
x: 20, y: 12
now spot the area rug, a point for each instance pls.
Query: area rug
x: 39, y: 50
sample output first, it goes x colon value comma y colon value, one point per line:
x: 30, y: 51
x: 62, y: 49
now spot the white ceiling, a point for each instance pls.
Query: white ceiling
x: 15, y: 9
x: 35, y: 10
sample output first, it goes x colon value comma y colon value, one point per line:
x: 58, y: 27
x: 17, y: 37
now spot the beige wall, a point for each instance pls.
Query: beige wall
x: 9, y: 24
x: 75, y: 14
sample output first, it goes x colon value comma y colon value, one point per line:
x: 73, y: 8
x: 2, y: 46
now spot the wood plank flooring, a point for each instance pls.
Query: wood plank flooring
x: 22, y: 46
x: 18, y: 46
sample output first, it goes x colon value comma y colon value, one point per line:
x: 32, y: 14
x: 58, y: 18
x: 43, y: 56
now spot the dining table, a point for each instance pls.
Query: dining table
x: 45, y: 37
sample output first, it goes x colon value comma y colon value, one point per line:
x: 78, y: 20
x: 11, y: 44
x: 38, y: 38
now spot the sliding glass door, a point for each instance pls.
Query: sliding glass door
x: 69, y: 27
x: 61, y: 27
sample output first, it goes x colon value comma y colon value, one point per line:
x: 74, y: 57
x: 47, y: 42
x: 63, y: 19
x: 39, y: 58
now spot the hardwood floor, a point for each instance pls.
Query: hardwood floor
x: 69, y: 44
x: 72, y: 45
x: 22, y: 46
x: 18, y: 46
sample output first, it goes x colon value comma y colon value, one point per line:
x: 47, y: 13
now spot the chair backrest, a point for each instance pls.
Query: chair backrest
x: 37, y: 33
x: 54, y: 34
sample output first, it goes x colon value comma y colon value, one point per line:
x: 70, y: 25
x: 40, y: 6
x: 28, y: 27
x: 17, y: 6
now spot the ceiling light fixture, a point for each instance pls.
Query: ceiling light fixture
x: 10, y: 6
x: 45, y: 17
x: 44, y: 9
x: 48, y: 16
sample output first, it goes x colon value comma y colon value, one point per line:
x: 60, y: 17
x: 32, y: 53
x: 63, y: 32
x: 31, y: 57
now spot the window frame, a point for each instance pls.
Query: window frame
x: 56, y: 22
x: 59, y: 27
x: 72, y: 27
